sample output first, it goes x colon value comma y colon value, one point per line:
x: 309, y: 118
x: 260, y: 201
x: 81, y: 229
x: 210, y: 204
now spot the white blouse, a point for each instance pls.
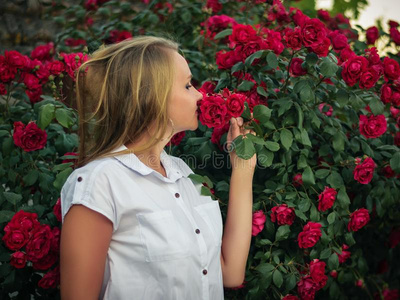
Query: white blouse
x: 166, y: 240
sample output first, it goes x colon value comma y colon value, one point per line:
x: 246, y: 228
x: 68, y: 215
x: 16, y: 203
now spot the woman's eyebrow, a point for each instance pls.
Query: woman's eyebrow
x: 190, y: 76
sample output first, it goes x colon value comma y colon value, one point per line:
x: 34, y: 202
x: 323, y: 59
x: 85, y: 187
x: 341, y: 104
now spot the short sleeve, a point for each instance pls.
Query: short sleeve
x: 90, y: 186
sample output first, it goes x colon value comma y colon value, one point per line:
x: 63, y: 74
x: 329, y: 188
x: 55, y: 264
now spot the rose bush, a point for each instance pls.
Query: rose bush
x: 325, y: 107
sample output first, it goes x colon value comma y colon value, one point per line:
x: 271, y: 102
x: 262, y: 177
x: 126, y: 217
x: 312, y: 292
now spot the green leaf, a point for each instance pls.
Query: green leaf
x: 308, y: 176
x: 13, y: 198
x: 291, y: 282
x: 31, y: 177
x: 335, y: 180
x: 6, y: 215
x: 343, y: 198
x: 265, y: 269
x: 261, y: 91
x: 331, y: 217
x: 265, y: 157
x: 272, y: 60
x: 300, y: 116
x: 282, y: 233
x: 328, y: 68
x: 376, y: 106
x: 223, y: 34
x: 306, y: 94
x: 395, y: 162
x: 244, y: 148
x: 286, y: 138
x: 249, y: 60
x: 338, y: 142
x: 322, y: 173
x: 262, y: 113
x: 349, y: 239
x: 272, y: 146
x: 277, y: 278
x: 314, y: 214
x: 63, y: 117
x: 325, y: 253
x: 4, y: 133
x: 342, y: 97
x: 46, y: 114
x: 61, y: 178
x: 333, y: 261
x: 245, y: 86
x: 304, y: 138
x: 302, y: 162
x: 311, y: 58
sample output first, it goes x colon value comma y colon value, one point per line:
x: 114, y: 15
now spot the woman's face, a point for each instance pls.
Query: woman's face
x: 184, y: 97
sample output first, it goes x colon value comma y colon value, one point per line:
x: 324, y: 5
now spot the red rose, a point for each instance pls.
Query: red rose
x: 360, y: 283
x: 295, y: 67
x: 326, y: 199
x: 3, y: 90
x: 389, y: 294
x: 57, y: 210
x: 18, y: 260
x: 290, y: 297
x: 31, y: 81
x: 393, y: 24
x: 323, y: 15
x: 46, y: 261
x: 310, y: 235
x: 386, y: 93
x: 388, y: 172
x: 372, y: 34
x: 245, y: 50
x: 364, y: 172
x: 176, y: 138
x: 214, y: 5
x: 345, y: 255
x: 15, y: 59
x: 298, y: 17
x: 326, y: 109
x: 297, y: 180
x: 74, y: 160
x: 242, y: 34
x: 34, y: 95
x: 358, y: 219
x: 353, y: 68
x: 395, y: 35
x: 397, y: 139
x: 394, y: 237
x: 258, y: 222
x: 333, y: 273
x: 391, y: 69
x: 117, y: 36
x: 43, y: 52
x: 7, y: 72
x: 368, y: 79
x: 306, y: 288
x: 15, y: 238
x: 372, y: 126
x: 43, y: 73
x: 29, y: 138
x: 396, y: 99
x: 55, y: 244
x: 313, y: 33
x: 235, y: 104
x: 51, y: 279
x: 317, y: 273
x: 345, y: 55
x: 339, y: 41
x: 24, y: 220
x: 217, y: 134
x: 72, y: 62
x: 293, y: 38
x: 208, y: 87
x: 283, y: 214
x: 214, y: 112
x: 56, y: 67
x: 39, y: 244
x: 273, y: 40
x: 226, y: 60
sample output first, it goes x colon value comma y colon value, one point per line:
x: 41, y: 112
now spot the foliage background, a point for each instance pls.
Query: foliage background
x: 32, y: 180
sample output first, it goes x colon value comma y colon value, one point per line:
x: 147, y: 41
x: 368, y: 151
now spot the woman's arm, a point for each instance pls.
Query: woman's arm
x: 237, y: 230
x: 85, y: 238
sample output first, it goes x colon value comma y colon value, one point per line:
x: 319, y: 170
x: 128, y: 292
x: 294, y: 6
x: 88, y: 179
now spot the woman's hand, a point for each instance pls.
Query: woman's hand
x: 236, y: 128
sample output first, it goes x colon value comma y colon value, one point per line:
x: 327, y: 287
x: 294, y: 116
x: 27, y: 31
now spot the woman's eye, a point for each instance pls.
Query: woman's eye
x: 188, y: 86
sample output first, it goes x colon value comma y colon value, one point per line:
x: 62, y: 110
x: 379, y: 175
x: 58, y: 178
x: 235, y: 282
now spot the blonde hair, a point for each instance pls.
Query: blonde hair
x: 121, y: 90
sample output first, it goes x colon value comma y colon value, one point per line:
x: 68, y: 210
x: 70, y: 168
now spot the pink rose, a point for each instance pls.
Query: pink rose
x: 358, y: 219
x: 327, y: 112
x: 258, y: 222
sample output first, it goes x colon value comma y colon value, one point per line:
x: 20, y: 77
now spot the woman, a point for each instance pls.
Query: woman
x: 134, y: 224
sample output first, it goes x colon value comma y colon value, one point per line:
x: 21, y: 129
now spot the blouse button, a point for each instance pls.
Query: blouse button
x: 205, y: 272
x: 79, y: 178
x: 197, y: 231
x: 177, y: 195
